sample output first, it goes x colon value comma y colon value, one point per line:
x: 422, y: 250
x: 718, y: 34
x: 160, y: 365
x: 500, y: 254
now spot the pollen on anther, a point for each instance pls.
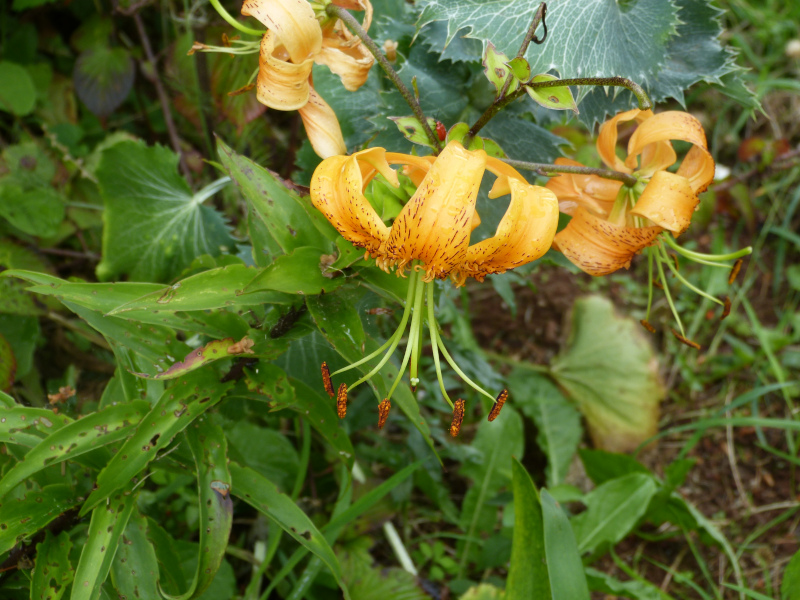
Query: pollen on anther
x: 326, y: 379
x: 646, y: 324
x: 684, y: 340
x: 383, y: 412
x: 498, y: 404
x: 726, y: 309
x: 458, y: 417
x: 737, y: 266
x: 341, y: 401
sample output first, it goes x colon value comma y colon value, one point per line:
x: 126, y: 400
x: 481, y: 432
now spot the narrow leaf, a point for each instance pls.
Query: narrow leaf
x: 567, y: 578
x: 20, y: 518
x: 300, y: 272
x: 53, y: 571
x: 134, y: 570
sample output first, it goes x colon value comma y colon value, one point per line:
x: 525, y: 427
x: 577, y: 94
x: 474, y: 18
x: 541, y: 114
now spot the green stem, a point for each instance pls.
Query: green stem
x: 502, y: 102
x: 354, y: 26
x: 233, y: 22
x: 546, y: 169
x: 650, y: 252
x: 683, y: 280
x: 413, y: 335
x: 434, y: 346
x: 699, y: 256
x: 668, y: 296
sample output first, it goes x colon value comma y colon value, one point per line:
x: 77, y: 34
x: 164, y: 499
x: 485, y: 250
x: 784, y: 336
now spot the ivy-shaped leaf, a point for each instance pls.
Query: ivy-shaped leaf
x: 154, y: 226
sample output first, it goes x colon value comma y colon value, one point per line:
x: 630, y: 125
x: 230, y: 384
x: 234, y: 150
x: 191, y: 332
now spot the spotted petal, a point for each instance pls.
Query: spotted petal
x: 322, y: 126
x: 668, y: 201
x: 434, y: 226
x: 292, y: 22
x: 336, y: 190
x: 590, y: 191
x: 598, y: 247
x: 281, y: 84
x: 524, y: 234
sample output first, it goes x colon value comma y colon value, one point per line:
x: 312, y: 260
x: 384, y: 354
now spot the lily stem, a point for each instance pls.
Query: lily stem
x: 434, y: 346
x: 354, y: 26
x: 413, y: 334
x: 502, y: 101
x: 546, y: 169
x: 233, y: 22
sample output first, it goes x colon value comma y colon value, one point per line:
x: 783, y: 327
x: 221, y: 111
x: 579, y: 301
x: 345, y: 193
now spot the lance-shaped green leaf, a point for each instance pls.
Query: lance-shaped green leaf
x: 496, y: 69
x: 527, y: 573
x: 20, y: 424
x: 204, y: 355
x: 217, y: 288
x: 170, y: 572
x: 8, y: 364
x: 178, y: 406
x: 564, y: 566
x: 300, y: 272
x: 210, y: 452
x: 790, y: 586
x: 556, y: 97
x: 412, y: 130
x: 154, y: 225
x: 520, y: 68
x: 53, y: 572
x: 79, y: 437
x: 134, y: 570
x: 108, y: 522
x: 613, y: 510
x: 282, y: 211
x: 610, y: 370
x: 22, y: 517
x: 262, y: 495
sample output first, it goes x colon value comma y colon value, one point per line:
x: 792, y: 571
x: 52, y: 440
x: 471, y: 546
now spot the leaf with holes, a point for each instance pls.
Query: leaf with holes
x: 21, y: 518
x: 214, y: 350
x: 154, y: 225
x: 53, y: 572
x: 134, y: 570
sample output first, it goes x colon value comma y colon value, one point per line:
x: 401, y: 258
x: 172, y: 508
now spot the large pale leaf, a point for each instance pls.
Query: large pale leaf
x: 608, y: 367
x: 557, y: 420
x: 154, y: 225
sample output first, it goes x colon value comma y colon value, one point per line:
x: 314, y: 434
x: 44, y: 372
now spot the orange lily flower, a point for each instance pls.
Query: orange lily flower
x: 610, y: 224
x: 297, y: 38
x: 434, y: 226
x: 430, y: 238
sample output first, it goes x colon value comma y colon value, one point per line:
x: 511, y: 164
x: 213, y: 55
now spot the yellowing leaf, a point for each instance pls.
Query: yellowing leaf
x: 556, y: 97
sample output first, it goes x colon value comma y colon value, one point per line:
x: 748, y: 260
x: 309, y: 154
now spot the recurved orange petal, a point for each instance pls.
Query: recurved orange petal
x: 336, y: 190
x: 350, y: 61
x: 322, y: 126
x: 434, y: 226
x: 292, y: 22
x: 607, y: 137
x: 657, y: 131
x: 598, y: 247
x: 524, y: 234
x: 590, y: 191
x: 281, y: 84
x: 668, y: 201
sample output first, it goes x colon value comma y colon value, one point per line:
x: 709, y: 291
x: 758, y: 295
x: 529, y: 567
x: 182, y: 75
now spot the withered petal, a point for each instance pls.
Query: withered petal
x: 597, y: 194
x: 281, y: 85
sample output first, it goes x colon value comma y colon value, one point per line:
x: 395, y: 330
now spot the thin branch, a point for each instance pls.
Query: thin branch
x: 547, y: 170
x: 529, y: 37
x: 163, y: 99
x: 355, y: 27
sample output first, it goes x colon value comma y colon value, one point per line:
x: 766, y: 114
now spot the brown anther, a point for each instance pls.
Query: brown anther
x: 498, y: 404
x: 646, y: 324
x: 675, y: 258
x: 326, y: 379
x: 341, y: 401
x: 685, y: 340
x: 737, y: 266
x: 383, y: 412
x: 726, y: 309
x: 458, y: 417
x: 658, y: 284
x: 242, y: 90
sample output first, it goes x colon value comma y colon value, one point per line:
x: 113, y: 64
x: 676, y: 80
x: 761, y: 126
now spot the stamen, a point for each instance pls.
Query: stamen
x: 668, y: 296
x: 650, y: 255
x: 684, y: 340
x: 341, y: 401
x: 683, y: 280
x: 646, y: 324
x: 458, y: 417
x: 326, y: 379
x: 456, y: 368
x: 498, y: 404
x: 435, y: 346
x: 383, y: 412
x: 737, y: 266
x: 727, y: 308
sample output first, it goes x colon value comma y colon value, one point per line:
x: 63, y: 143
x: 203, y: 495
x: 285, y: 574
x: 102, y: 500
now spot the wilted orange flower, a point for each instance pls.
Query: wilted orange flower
x: 430, y: 239
x: 297, y: 38
x: 611, y: 223
x: 434, y: 226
